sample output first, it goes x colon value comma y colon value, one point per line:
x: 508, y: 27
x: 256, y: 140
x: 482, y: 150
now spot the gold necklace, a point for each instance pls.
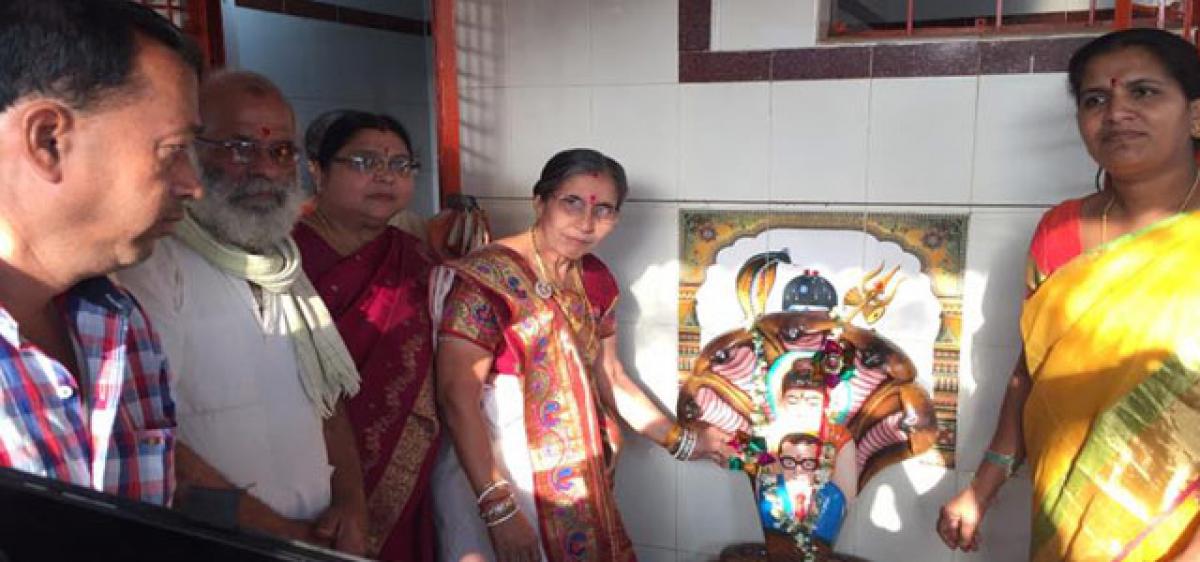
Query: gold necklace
x: 549, y: 290
x: 1113, y: 199
x: 543, y: 287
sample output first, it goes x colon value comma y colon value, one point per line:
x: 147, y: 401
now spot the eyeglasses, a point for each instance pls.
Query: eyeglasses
x: 282, y: 153
x: 575, y: 207
x: 790, y: 463
x: 375, y: 164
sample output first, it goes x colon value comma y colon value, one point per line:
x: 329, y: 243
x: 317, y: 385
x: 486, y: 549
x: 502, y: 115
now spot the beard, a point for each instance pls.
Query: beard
x: 254, y: 214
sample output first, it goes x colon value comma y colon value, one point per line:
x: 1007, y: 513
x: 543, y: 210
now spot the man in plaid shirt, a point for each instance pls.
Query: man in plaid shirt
x: 97, y: 116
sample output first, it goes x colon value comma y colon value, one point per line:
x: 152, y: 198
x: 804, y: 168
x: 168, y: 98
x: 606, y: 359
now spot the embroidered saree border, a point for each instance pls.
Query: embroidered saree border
x: 390, y: 498
x: 577, y: 511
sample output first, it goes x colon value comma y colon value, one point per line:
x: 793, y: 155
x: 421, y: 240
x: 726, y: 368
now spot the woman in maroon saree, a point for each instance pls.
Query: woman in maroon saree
x: 374, y: 279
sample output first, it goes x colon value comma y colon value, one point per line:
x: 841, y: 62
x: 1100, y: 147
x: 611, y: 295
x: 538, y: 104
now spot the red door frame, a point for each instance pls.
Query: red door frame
x: 445, y: 53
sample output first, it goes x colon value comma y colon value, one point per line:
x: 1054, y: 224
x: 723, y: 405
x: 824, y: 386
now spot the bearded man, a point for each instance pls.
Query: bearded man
x: 260, y: 368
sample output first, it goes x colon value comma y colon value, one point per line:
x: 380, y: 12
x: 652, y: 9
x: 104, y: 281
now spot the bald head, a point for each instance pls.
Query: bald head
x: 223, y: 93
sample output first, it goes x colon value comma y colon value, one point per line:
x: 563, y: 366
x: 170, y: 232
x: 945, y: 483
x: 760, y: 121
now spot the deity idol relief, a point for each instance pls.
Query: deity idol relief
x: 819, y: 404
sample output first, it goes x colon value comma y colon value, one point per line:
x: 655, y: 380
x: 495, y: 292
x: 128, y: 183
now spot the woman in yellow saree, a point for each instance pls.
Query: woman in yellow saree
x: 1105, y: 402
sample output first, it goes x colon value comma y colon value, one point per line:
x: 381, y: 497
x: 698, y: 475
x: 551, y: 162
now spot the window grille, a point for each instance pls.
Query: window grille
x: 199, y: 19
x: 900, y: 18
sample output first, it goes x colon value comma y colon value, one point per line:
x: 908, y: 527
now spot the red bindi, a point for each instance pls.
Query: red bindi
x: 1113, y: 83
x: 592, y: 199
x: 266, y: 132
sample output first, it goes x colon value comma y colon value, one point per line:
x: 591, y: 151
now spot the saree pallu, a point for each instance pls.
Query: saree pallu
x: 377, y: 296
x: 548, y: 424
x: 1111, y: 423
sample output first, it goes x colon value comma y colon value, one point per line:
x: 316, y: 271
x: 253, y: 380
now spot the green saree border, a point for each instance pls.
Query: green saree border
x: 1116, y: 434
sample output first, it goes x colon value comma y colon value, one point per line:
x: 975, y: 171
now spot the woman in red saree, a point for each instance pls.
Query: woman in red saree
x: 374, y: 279
x: 531, y: 388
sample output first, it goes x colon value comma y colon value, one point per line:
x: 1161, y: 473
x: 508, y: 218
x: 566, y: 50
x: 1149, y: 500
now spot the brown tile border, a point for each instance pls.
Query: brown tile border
x: 719, y: 66
x: 829, y: 63
x: 952, y: 57
x: 313, y: 9
x: 695, y: 25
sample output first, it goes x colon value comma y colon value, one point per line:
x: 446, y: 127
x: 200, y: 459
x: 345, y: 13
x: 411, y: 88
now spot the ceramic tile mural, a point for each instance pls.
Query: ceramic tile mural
x: 922, y: 303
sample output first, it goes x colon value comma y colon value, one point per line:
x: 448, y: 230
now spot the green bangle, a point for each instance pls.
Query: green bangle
x: 1007, y: 462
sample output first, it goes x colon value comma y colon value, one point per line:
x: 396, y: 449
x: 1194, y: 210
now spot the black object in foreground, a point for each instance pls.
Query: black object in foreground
x: 42, y: 519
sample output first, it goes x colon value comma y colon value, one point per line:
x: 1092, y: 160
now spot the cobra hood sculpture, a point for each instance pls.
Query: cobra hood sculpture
x: 819, y: 405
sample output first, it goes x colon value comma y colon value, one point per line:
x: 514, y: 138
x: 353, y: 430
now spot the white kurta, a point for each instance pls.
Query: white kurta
x: 240, y: 403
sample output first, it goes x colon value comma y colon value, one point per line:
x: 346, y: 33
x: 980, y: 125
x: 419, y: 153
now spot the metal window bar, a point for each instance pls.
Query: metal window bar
x: 174, y: 10
x: 1124, y: 14
x: 200, y: 19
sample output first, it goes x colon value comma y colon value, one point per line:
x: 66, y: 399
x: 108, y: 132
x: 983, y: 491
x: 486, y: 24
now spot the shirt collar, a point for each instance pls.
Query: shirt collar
x: 98, y: 292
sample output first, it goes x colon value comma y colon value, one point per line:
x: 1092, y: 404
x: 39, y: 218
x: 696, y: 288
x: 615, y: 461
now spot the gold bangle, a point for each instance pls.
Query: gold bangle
x: 674, y: 436
x: 492, y: 487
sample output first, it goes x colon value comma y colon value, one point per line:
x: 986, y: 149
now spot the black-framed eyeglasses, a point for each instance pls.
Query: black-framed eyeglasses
x: 576, y: 207
x: 790, y: 463
x: 241, y: 151
x: 402, y: 166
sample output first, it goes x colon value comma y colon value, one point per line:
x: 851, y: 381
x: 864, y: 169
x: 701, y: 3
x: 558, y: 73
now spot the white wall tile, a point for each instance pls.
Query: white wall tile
x: 547, y: 43
x: 1027, y: 147
x: 646, y: 493
x: 994, y: 284
x: 542, y: 122
x: 716, y: 509
x: 507, y: 216
x: 634, y: 41
x: 639, y: 127
x: 485, y: 136
x: 920, y: 140
x: 687, y: 556
x: 724, y: 141
x: 819, y: 140
x: 654, y: 554
x: 983, y: 378
x: 480, y: 39
x: 897, y: 511
x: 643, y: 253
x: 741, y: 25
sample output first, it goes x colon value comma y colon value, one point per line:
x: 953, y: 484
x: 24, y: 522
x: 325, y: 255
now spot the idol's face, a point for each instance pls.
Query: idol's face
x: 803, y: 409
x: 799, y: 461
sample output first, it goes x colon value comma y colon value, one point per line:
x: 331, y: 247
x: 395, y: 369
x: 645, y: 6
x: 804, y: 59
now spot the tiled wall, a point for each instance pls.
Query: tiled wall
x: 542, y: 75
x: 322, y: 65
